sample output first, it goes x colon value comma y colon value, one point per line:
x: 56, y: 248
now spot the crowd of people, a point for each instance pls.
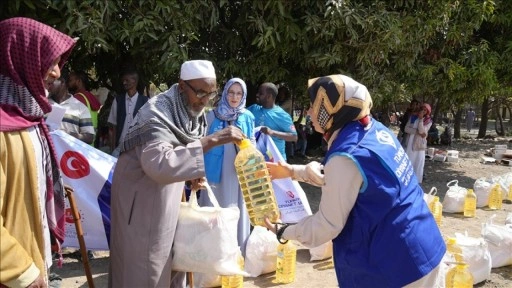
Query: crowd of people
x: 169, y: 141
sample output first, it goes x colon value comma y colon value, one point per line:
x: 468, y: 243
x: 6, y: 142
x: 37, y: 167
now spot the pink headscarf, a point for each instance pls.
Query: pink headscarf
x: 426, y: 118
x: 27, y: 50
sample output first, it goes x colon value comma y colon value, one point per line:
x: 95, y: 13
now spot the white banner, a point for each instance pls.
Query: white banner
x: 291, y: 199
x: 89, y: 172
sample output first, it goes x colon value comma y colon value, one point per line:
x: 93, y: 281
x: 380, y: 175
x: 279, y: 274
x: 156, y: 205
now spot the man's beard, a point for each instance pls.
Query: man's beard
x: 190, y: 110
x: 194, y: 113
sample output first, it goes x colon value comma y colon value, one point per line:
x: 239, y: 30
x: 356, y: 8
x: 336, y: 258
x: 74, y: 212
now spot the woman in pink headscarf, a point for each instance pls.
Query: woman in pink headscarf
x: 31, y: 191
x: 417, y: 140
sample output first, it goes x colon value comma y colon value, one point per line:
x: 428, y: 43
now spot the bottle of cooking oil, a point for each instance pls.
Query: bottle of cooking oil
x: 495, y: 197
x: 286, y: 262
x: 234, y: 281
x: 256, y: 185
x: 437, y: 210
x: 470, y: 204
x: 459, y: 277
x: 454, y: 249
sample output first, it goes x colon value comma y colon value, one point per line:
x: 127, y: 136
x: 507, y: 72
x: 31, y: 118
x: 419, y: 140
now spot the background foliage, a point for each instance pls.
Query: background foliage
x: 450, y: 53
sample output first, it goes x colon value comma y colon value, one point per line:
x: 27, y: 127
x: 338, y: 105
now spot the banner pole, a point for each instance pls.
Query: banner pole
x: 80, y: 235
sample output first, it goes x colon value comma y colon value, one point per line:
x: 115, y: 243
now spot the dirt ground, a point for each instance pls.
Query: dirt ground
x: 321, y: 273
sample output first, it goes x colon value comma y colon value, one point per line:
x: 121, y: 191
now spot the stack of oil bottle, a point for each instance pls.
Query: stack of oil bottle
x: 459, y: 274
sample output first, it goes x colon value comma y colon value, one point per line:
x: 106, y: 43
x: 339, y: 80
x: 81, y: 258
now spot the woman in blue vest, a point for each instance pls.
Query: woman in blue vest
x: 220, y: 161
x: 372, y: 206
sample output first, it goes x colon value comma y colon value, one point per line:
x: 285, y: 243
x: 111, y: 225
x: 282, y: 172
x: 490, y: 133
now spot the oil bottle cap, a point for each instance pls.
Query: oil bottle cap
x: 244, y: 143
x: 451, y: 241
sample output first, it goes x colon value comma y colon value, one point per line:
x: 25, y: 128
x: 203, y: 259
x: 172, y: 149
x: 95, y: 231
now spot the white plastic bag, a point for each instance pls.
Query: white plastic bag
x: 499, y: 240
x: 205, y: 239
x: 476, y: 254
x: 482, y: 189
x: 321, y: 252
x: 429, y: 197
x: 453, y: 201
x: 508, y: 220
x: 504, y: 180
x: 291, y: 199
x: 261, y: 252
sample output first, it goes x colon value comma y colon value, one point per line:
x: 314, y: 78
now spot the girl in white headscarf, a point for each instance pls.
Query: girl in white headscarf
x: 223, y: 180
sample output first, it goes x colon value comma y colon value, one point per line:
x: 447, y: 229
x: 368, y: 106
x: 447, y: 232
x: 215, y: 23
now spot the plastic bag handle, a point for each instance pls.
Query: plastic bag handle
x: 434, y: 189
x: 213, y: 199
x: 456, y: 183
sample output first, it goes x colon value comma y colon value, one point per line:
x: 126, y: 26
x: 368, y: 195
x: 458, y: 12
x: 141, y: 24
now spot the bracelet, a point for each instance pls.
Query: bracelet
x: 280, y: 231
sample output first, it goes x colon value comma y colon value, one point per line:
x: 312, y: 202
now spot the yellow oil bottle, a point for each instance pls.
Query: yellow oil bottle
x: 454, y: 249
x: 470, y: 204
x: 495, y: 197
x: 286, y: 262
x: 234, y: 281
x: 459, y: 277
x: 437, y: 210
x: 256, y: 184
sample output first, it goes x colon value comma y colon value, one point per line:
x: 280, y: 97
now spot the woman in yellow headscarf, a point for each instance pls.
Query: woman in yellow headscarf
x: 372, y: 206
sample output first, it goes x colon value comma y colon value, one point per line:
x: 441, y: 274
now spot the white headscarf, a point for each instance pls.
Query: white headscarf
x: 224, y: 111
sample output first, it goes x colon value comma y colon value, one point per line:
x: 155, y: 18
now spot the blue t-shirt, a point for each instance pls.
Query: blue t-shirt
x: 276, y: 119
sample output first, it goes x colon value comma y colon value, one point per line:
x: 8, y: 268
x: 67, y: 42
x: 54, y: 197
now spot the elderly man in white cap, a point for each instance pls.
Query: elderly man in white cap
x: 162, y: 150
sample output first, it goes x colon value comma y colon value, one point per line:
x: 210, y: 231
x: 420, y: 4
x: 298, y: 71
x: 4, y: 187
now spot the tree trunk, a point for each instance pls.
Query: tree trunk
x: 483, y: 119
x: 384, y: 118
x: 498, y: 125
x: 509, y: 114
x: 456, y: 124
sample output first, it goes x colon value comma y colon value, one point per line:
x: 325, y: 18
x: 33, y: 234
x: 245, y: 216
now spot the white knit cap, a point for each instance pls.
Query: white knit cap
x: 196, y: 69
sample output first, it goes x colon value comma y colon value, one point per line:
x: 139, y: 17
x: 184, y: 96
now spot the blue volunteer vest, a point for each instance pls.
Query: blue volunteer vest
x: 390, y: 238
x: 213, y: 158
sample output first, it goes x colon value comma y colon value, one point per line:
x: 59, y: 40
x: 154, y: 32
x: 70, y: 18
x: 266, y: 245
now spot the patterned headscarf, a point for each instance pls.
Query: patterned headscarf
x: 165, y: 117
x: 224, y: 111
x: 337, y: 100
x: 27, y: 50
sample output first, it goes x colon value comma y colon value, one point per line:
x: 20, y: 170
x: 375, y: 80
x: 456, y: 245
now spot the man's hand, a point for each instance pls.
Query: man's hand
x: 38, y: 283
x: 266, y: 130
x: 230, y: 134
x: 197, y: 184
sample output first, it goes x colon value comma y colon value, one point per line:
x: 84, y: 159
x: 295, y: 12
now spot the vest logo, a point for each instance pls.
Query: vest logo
x: 384, y: 137
x: 74, y: 165
x: 290, y: 194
